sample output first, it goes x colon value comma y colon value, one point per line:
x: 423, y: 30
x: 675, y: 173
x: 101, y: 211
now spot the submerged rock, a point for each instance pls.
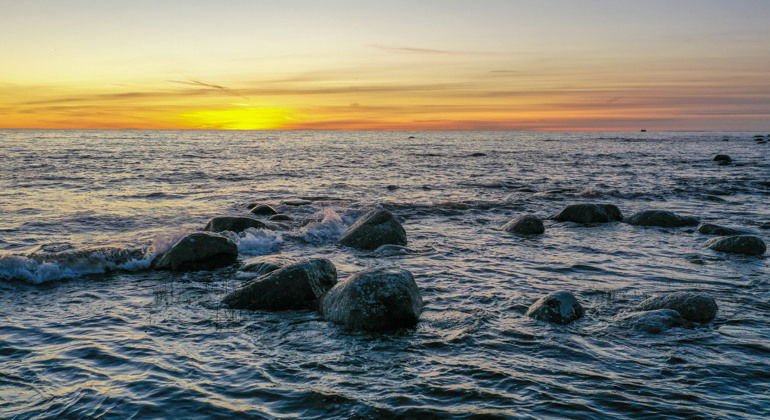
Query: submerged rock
x: 279, y: 218
x: 738, y: 244
x: 233, y: 224
x: 558, y: 307
x: 711, y: 229
x: 655, y: 321
x: 723, y: 158
x: 590, y: 213
x: 661, y: 218
x: 525, y: 224
x: 267, y: 263
x: 693, y: 306
x: 263, y: 210
x: 374, y: 300
x: 198, y: 251
x: 295, y: 286
x: 374, y: 229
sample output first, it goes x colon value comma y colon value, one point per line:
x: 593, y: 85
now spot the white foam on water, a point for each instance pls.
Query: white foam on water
x: 329, y: 229
x: 258, y: 242
x: 35, y: 271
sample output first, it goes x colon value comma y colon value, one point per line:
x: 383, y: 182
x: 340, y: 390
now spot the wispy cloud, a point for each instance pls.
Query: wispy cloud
x: 416, y: 50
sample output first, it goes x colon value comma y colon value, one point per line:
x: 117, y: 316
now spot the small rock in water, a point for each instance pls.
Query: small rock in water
x: 693, y: 306
x: 711, y: 229
x: 378, y: 299
x: 655, y: 321
x: 392, y: 187
x: 296, y: 286
x: 590, y: 213
x: 233, y: 224
x: 661, y: 218
x: 738, y: 244
x: 477, y: 154
x: 263, y: 210
x: 723, y: 158
x: 374, y: 229
x: 267, y: 263
x: 198, y: 251
x: 559, y: 307
x: 279, y: 218
x: 525, y: 224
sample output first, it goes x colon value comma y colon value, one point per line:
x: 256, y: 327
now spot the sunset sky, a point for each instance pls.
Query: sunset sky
x: 553, y: 65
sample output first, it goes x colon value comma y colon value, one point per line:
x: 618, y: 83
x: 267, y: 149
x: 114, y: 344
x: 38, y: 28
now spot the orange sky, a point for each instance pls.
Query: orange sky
x: 701, y: 65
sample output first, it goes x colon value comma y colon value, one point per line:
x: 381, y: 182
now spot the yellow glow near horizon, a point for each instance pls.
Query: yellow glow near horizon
x: 239, y: 118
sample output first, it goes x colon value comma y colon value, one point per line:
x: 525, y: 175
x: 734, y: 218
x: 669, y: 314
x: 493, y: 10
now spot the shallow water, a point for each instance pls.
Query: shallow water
x: 85, y: 333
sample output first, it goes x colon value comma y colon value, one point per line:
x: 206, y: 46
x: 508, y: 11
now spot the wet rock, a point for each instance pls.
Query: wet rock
x: 198, y: 251
x: 738, y: 244
x: 590, y: 213
x: 525, y: 224
x: 723, y: 158
x: 711, y: 229
x: 263, y: 210
x: 279, y: 218
x: 233, y: 224
x: 295, y: 286
x: 374, y: 300
x: 392, y: 187
x: 655, y: 321
x: 374, y: 229
x: 693, y: 306
x: 477, y: 154
x: 661, y: 218
x: 267, y: 263
x: 297, y: 203
x: 559, y: 307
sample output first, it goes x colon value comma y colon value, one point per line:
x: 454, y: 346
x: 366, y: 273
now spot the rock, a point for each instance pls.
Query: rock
x: 198, y: 251
x: 693, y: 306
x: 374, y: 300
x: 661, y: 218
x: 590, y: 213
x: 296, y: 286
x: 279, y: 218
x: 297, y: 203
x: 376, y: 228
x: 267, y: 263
x: 525, y: 224
x: 263, y: 210
x: 392, y: 187
x: 738, y: 244
x: 711, y: 229
x: 654, y: 322
x: 723, y: 158
x: 559, y: 307
x: 233, y: 224
x: 477, y: 154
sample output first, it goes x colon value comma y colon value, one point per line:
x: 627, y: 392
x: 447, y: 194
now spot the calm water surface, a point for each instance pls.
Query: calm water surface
x: 88, y: 331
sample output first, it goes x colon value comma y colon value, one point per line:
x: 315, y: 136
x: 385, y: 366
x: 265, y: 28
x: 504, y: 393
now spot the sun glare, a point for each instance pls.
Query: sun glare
x: 239, y: 119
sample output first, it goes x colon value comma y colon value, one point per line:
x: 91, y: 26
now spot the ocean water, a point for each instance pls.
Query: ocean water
x: 88, y: 330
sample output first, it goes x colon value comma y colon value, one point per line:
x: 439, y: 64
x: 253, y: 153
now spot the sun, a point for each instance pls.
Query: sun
x: 254, y: 118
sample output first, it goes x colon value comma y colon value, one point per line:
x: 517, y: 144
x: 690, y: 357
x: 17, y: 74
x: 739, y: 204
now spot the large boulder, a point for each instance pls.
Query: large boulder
x: 263, y: 210
x: 198, y: 251
x: 374, y: 300
x: 296, y: 286
x: 558, y: 307
x: 738, y: 244
x: 525, y: 225
x: 266, y: 263
x: 374, y: 229
x: 233, y: 224
x: 654, y: 322
x: 711, y: 229
x: 693, y: 306
x: 661, y: 218
x: 590, y: 213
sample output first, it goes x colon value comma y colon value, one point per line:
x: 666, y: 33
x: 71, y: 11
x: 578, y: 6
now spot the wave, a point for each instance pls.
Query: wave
x: 328, y: 229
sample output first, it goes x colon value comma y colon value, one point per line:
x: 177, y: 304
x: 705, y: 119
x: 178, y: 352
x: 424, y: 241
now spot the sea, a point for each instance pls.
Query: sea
x: 89, y: 330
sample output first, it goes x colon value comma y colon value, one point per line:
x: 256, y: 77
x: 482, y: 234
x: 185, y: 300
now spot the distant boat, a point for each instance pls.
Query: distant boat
x: 644, y: 131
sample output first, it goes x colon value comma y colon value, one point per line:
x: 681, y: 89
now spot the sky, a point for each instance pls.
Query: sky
x: 413, y: 65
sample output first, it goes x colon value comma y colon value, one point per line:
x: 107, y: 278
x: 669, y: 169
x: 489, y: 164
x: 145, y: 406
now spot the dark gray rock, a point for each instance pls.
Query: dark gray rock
x: 198, y: 251
x: 266, y: 263
x: 654, y: 322
x: 374, y: 300
x: 233, y: 224
x: 693, y: 306
x: 590, y: 213
x: 296, y: 286
x: 723, y: 158
x: 376, y: 228
x: 711, y: 229
x: 279, y: 218
x: 525, y: 225
x: 263, y: 210
x: 558, y: 307
x: 661, y: 218
x: 738, y: 244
